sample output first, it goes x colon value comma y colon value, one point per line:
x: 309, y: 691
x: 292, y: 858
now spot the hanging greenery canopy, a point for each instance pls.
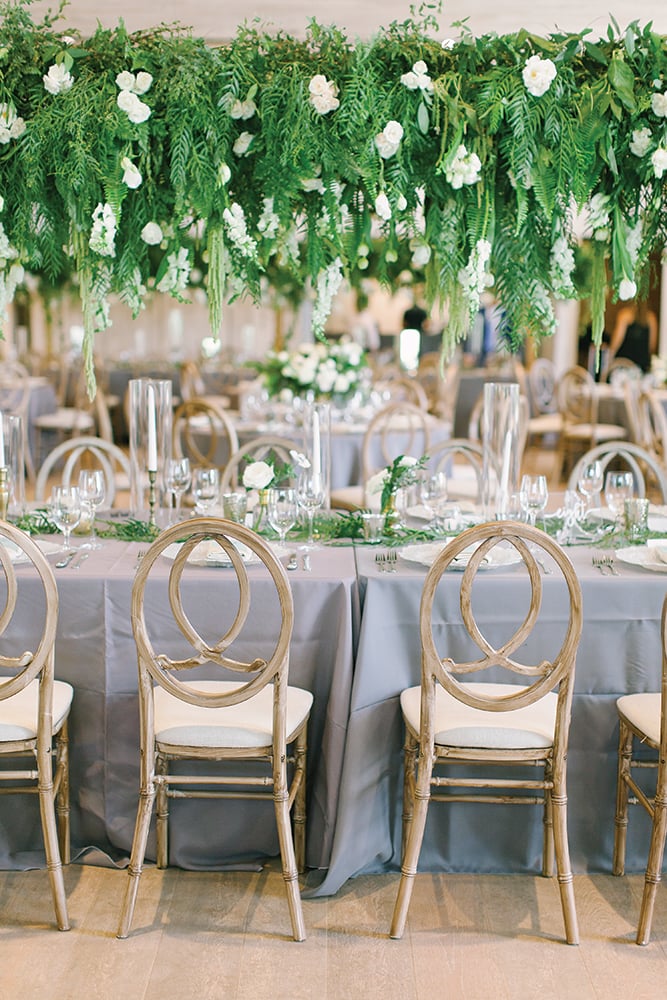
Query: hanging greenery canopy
x: 121, y: 152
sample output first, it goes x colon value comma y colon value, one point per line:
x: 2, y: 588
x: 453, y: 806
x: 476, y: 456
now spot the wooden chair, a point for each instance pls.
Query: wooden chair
x: 452, y: 722
x: 398, y: 429
x: 34, y: 708
x: 260, y: 447
x: 643, y: 717
x: 68, y: 420
x: 203, y: 433
x: 15, y: 399
x: 652, y: 423
x: 642, y: 463
x: 463, y: 461
x: 621, y: 370
x: 86, y: 452
x: 253, y: 718
x: 581, y: 430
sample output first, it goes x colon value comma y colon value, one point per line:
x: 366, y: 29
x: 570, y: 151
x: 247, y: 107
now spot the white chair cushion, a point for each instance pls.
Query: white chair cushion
x: 65, y: 420
x: 458, y: 725
x: 610, y: 432
x: 248, y: 724
x: 18, y: 715
x: 545, y: 423
x: 348, y: 497
x: 643, y: 712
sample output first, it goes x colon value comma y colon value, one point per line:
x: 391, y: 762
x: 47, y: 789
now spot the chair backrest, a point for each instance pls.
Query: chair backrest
x: 27, y: 665
x: 652, y: 423
x: 398, y: 429
x: 576, y: 396
x: 86, y: 449
x: 621, y: 370
x: 232, y: 541
x: 542, y: 386
x: 444, y: 458
x: 631, y: 392
x: 640, y: 461
x: 256, y: 449
x: 536, y: 679
x: 198, y: 431
x: 14, y: 388
x: 401, y: 388
x: 191, y: 381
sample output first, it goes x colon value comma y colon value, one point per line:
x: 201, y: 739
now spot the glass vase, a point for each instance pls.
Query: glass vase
x: 500, y: 445
x: 139, y: 404
x: 316, y: 430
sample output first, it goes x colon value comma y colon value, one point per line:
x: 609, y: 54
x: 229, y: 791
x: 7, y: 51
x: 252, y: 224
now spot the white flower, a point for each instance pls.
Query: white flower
x: 627, y: 289
x: 125, y: 80
x: 659, y: 105
x: 58, y: 79
x: 659, y: 161
x: 103, y: 232
x: 538, y: 75
x: 135, y: 109
x: 131, y: 175
x: 598, y: 211
x: 224, y: 174
x: 377, y: 482
x: 561, y: 267
x: 269, y: 221
x: 421, y: 253
x: 243, y: 109
x: 448, y: 44
x: 242, y: 144
x: 235, y: 221
x: 389, y: 139
x: 11, y: 127
x: 257, y: 475
x: 138, y: 84
x: 417, y: 78
x: 175, y: 278
x: 142, y: 83
x: 2, y: 203
x: 382, y: 206
x: 313, y: 184
x: 641, y: 141
x: 464, y: 168
x: 151, y: 234
x: 393, y: 131
x: 323, y: 94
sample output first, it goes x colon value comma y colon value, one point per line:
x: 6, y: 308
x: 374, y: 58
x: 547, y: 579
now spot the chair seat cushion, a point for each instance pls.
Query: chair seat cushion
x: 18, y: 715
x: 458, y: 725
x: 643, y: 712
x: 248, y: 724
x: 65, y: 419
x: 347, y: 498
x: 601, y: 432
x: 545, y: 423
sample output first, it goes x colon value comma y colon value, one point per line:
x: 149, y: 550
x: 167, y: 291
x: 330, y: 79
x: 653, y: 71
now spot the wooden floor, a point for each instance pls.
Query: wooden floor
x: 225, y: 935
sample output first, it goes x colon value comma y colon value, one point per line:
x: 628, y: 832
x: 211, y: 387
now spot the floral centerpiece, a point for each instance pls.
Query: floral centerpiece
x: 257, y: 479
x: 403, y: 472
x: 325, y: 370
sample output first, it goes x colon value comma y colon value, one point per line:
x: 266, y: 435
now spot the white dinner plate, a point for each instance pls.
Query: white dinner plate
x: 17, y: 555
x: 648, y: 557
x: 425, y: 555
x: 209, y: 553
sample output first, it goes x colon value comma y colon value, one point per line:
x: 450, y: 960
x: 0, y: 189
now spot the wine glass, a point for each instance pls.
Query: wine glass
x: 177, y: 479
x: 282, y: 510
x: 590, y: 481
x: 206, y: 488
x: 92, y: 491
x: 433, y: 491
x: 65, y: 510
x: 534, y: 495
x: 310, y: 497
x: 618, y: 487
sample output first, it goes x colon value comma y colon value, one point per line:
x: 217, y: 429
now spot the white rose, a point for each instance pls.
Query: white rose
x: 135, y: 109
x: 627, y: 289
x: 324, y: 103
x: 538, y: 75
x: 410, y: 80
x: 384, y: 147
x: 402, y: 203
x: 406, y: 461
x: 318, y: 84
x: 382, y: 206
x: 243, y: 143
x: 17, y: 129
x: 125, y: 80
x: 325, y: 380
x: 393, y: 131
x: 131, y: 176
x: 448, y: 44
x: 342, y: 383
x: 243, y: 109
x: 58, y: 79
x: 659, y: 105
x: 376, y: 482
x: 641, y: 141
x: 313, y: 184
x: 257, y: 475
x: 142, y: 83
x: 659, y: 161
x: 151, y: 234
x: 224, y: 174
x: 421, y: 255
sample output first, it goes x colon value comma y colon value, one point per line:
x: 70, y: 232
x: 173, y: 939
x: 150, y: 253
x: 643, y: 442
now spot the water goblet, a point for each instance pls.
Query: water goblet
x: 590, y: 481
x: 92, y: 491
x: 282, y: 510
x: 206, y: 488
x: 177, y: 480
x: 433, y: 491
x: 310, y: 497
x: 534, y: 495
x: 65, y: 510
x: 618, y: 487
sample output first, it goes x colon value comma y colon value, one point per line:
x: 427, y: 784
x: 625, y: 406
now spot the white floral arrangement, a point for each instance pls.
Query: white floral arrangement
x: 326, y: 370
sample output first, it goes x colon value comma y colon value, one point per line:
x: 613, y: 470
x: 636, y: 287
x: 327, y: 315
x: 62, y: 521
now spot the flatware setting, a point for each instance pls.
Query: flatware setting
x: 386, y: 562
x: 605, y: 564
x: 66, y: 559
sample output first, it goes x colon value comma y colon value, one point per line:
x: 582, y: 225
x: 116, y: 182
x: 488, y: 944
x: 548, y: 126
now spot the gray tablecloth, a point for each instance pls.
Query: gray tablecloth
x: 619, y: 652
x: 95, y: 652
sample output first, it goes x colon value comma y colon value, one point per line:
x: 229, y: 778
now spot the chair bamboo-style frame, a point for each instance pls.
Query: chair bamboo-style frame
x: 472, y: 454
x: 196, y: 420
x: 259, y: 685
x: 260, y: 447
x: 444, y: 729
x: 578, y: 406
x: 34, y: 710
x: 643, y: 717
x: 101, y: 453
x: 642, y: 463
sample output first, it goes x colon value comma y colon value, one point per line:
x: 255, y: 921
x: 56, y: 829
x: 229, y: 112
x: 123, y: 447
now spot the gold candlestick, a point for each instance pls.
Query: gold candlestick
x: 4, y: 489
x: 152, y: 475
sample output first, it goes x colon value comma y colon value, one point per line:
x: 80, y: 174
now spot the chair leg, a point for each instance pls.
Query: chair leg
x: 62, y: 795
x: 409, y: 761
x: 162, y: 811
x: 299, y: 808
x: 654, y: 867
x: 290, y: 873
x: 413, y: 847
x: 621, y: 820
x: 53, y: 862
x: 548, y: 828
x: 563, y: 866
x: 144, y: 812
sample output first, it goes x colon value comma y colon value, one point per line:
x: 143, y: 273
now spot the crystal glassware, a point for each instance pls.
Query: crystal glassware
x: 433, y: 492
x: 282, y: 510
x: 65, y: 510
x: 177, y: 480
x: 310, y: 496
x: 618, y: 487
x: 92, y: 491
x: 206, y: 488
x: 590, y: 481
x: 534, y: 495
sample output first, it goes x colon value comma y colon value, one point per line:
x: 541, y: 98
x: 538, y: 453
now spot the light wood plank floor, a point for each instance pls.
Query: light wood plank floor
x: 225, y: 936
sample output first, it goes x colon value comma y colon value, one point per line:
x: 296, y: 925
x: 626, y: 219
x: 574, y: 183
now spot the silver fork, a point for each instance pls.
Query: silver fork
x: 599, y: 563
x: 611, y: 565
x: 381, y: 561
x: 392, y: 560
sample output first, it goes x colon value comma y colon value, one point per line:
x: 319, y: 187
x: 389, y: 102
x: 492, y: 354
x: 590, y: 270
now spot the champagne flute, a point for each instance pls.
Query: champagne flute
x: 590, y: 481
x: 282, y: 510
x: 534, y: 495
x: 618, y: 487
x: 206, y: 488
x: 92, y: 491
x: 65, y: 510
x: 310, y: 496
x: 177, y: 479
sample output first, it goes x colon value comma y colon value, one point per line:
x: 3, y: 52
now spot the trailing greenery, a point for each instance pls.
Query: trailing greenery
x: 123, y: 154
x: 39, y: 522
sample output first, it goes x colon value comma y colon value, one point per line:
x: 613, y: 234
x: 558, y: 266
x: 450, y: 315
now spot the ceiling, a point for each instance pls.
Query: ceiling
x: 216, y: 21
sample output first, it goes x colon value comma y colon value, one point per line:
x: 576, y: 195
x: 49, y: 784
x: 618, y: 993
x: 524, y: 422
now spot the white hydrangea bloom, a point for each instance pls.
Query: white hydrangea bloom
x: 538, y: 75
x: 151, y: 234
x: 103, y: 233
x: 464, y: 169
x: 641, y: 141
x: 237, y: 230
x: 175, y: 278
x: 58, y: 79
x: 269, y: 221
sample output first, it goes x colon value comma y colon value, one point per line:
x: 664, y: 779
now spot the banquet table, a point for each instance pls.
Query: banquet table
x: 619, y: 652
x: 95, y: 652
